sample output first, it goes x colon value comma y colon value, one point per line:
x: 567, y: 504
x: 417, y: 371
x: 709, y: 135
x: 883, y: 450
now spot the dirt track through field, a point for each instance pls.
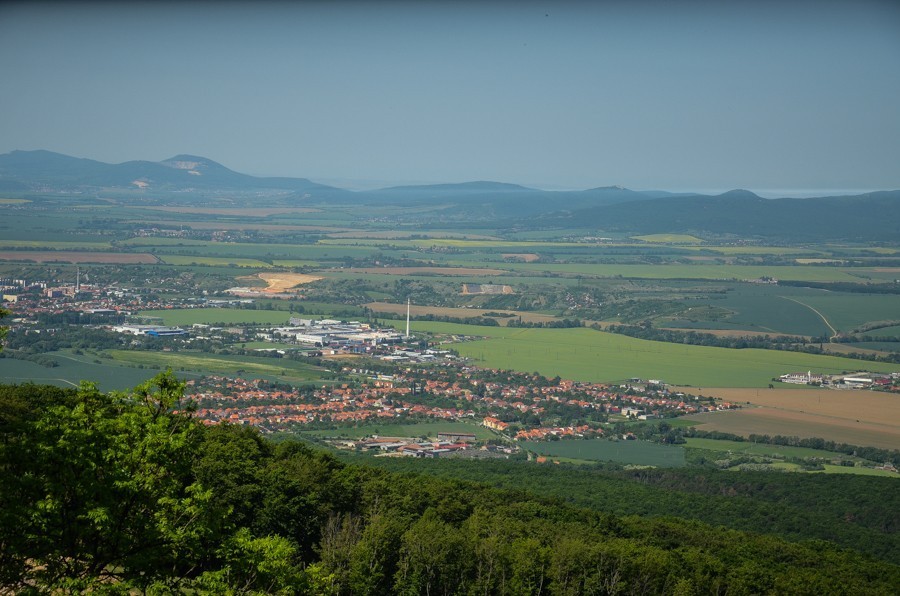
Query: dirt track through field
x: 821, y: 316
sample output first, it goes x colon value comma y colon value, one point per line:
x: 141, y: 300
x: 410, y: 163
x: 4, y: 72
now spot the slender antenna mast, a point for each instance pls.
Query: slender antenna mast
x: 407, y: 317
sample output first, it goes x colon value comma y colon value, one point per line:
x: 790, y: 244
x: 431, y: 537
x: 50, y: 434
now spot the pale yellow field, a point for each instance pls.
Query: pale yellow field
x: 855, y: 417
x: 281, y: 282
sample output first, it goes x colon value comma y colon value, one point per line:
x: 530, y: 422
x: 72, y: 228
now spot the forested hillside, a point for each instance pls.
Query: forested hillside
x: 859, y: 512
x: 116, y: 493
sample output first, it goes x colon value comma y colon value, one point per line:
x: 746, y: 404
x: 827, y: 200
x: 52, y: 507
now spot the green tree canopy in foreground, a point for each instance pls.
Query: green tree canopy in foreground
x: 119, y: 493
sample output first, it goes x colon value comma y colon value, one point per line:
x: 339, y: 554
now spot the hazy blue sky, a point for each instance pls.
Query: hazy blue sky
x: 673, y: 95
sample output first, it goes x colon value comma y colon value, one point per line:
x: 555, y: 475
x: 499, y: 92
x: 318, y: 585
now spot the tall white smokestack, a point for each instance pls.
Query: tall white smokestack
x: 407, y: 317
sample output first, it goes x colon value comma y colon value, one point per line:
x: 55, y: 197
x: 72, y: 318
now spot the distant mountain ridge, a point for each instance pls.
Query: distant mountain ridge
x: 866, y: 217
x: 36, y: 170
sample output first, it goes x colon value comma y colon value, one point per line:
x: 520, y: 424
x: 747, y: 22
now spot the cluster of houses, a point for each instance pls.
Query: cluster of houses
x: 404, y: 395
x: 447, y: 444
x: 543, y: 433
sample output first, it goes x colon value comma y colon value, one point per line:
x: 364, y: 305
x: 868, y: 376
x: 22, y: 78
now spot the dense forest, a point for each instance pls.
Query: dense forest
x: 859, y: 512
x: 121, y: 492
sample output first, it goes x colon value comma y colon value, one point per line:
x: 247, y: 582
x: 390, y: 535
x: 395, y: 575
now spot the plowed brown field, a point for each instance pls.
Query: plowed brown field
x: 855, y: 417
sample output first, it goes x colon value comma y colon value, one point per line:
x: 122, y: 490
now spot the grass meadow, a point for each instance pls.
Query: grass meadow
x: 846, y: 311
x: 215, y: 261
x: 287, y: 370
x: 54, y: 245
x: 625, y: 452
x: 749, y: 448
x: 71, y: 370
x: 588, y: 355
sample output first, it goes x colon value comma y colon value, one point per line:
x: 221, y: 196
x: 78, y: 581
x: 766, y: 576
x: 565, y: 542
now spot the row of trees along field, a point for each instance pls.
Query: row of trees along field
x: 118, y: 493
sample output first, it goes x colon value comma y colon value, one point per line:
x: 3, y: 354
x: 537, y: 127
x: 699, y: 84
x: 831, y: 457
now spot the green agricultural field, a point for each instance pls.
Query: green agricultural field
x: 418, y: 429
x: 756, y: 250
x: 761, y: 449
x: 144, y: 241
x: 881, y: 346
x: 706, y: 271
x: 587, y: 355
x: 369, y: 242
x: 893, y: 331
x: 832, y: 469
x: 288, y: 370
x: 210, y: 316
x: 792, y: 310
x: 243, y: 250
x: 512, y: 245
x: 829, y: 469
x: 626, y: 452
x: 71, y: 370
x: 220, y: 261
x: 295, y: 263
x: 772, y: 309
x: 54, y: 245
x: 846, y: 311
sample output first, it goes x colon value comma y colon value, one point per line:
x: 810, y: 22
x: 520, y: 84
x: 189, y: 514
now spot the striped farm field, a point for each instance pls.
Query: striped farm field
x: 707, y: 271
x: 791, y: 423
x: 71, y: 256
x: 858, y: 406
x: 54, y: 245
x: 455, y: 271
x: 214, y: 261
